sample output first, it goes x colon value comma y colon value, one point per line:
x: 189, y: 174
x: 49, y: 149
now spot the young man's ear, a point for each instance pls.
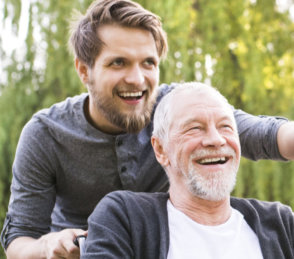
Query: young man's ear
x: 82, y: 70
x: 159, y: 152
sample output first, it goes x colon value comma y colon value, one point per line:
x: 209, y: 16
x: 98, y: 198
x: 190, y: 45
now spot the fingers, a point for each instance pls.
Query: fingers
x: 60, y: 244
x: 69, y: 249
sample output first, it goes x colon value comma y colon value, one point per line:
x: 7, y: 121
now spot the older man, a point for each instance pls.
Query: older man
x: 196, y: 141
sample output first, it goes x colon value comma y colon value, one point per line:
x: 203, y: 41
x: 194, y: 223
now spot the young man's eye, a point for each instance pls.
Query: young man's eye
x: 150, y: 62
x: 117, y: 62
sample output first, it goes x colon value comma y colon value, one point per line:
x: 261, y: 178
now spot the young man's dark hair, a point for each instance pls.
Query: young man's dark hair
x: 85, y: 41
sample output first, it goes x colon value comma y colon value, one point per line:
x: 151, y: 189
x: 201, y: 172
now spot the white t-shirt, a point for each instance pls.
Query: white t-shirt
x: 232, y: 240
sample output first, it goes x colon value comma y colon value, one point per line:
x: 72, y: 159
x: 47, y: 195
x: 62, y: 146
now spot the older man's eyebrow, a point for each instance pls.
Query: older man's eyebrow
x: 189, y: 122
x: 225, y: 118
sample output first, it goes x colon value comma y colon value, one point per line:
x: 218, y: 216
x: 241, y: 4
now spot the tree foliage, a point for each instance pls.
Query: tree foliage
x: 243, y: 47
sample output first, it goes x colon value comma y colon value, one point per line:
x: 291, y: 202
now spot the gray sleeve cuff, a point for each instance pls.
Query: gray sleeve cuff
x: 11, y: 231
x: 258, y: 135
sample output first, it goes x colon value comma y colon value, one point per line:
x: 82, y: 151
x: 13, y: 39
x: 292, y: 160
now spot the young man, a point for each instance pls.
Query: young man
x: 200, y: 152
x: 71, y: 155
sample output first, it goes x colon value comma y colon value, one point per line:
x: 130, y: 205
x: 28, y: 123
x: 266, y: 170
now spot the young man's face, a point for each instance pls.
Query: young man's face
x: 122, y: 83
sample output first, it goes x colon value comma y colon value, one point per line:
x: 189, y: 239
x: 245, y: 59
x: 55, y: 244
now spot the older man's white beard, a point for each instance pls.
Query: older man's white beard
x: 213, y: 186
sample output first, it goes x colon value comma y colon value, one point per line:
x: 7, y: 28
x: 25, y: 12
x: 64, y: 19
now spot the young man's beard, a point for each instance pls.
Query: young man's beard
x: 132, y: 123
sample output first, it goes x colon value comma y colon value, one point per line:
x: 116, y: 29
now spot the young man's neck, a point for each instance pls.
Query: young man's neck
x: 100, y: 122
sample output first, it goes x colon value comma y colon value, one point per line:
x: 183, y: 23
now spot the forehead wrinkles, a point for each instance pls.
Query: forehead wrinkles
x: 205, y: 100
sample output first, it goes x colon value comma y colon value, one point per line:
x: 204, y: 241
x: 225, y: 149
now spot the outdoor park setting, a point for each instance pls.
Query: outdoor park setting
x: 243, y: 48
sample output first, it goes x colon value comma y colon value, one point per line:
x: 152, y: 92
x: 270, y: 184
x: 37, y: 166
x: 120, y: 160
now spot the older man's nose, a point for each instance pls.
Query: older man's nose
x: 213, y: 138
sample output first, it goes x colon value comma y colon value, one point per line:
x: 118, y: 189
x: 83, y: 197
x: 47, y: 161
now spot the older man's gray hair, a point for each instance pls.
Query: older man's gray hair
x: 163, y: 116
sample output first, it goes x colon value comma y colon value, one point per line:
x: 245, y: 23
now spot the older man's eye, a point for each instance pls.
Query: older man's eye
x: 195, y: 128
x: 227, y: 126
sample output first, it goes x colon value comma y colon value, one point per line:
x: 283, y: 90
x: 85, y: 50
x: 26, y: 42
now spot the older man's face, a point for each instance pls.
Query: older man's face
x: 203, y: 148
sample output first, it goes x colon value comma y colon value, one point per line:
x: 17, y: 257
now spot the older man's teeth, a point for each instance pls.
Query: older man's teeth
x: 131, y: 95
x: 217, y: 160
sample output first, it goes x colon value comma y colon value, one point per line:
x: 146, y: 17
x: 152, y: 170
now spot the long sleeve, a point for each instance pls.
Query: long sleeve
x: 258, y: 135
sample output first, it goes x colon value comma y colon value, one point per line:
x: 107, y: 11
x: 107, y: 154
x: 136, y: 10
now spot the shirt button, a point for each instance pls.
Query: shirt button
x: 119, y: 142
x: 123, y: 169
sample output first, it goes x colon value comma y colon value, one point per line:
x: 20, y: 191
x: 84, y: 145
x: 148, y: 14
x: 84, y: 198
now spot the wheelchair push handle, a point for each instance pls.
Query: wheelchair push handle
x: 79, y: 242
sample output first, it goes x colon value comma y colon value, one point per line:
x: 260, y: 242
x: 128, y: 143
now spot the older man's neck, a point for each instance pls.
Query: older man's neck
x: 204, y: 212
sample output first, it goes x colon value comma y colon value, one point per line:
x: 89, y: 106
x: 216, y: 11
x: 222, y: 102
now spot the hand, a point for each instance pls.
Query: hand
x: 286, y: 140
x: 60, y: 244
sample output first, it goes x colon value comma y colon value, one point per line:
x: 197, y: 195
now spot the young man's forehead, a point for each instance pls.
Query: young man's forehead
x: 125, y: 39
x: 111, y: 31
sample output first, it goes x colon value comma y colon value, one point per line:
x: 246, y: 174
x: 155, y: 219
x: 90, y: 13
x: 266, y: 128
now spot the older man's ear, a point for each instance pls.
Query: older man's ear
x: 160, y: 153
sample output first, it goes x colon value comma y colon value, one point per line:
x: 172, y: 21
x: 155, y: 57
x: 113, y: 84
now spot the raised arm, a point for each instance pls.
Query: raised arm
x: 259, y: 136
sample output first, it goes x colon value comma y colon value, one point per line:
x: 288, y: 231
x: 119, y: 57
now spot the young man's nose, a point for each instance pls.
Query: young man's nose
x: 134, y: 75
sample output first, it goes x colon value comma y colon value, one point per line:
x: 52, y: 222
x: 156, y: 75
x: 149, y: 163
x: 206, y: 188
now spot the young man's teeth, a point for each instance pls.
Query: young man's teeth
x: 137, y: 94
x: 212, y: 160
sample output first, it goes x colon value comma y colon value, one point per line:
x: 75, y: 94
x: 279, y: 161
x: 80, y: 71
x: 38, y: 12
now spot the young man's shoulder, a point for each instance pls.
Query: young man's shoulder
x: 67, y: 106
x: 165, y: 89
x: 58, y: 120
x: 60, y: 114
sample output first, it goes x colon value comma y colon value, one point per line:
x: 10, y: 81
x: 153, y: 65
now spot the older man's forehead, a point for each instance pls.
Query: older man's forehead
x: 198, y: 98
x: 201, y: 112
x: 193, y: 105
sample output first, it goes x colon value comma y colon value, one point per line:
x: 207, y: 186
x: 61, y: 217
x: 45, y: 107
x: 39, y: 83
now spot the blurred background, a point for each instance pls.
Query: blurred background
x: 245, y: 48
